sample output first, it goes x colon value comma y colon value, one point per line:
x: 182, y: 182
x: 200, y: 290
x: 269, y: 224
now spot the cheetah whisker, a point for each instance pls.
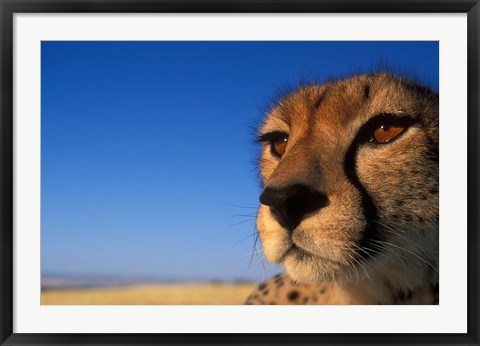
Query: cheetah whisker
x: 410, y: 252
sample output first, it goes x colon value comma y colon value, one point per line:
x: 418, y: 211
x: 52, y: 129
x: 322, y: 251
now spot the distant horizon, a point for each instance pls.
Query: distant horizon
x: 133, y: 277
x: 148, y: 155
x: 77, y: 281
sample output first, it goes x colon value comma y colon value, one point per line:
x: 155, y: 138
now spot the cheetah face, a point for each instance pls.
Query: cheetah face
x: 350, y: 175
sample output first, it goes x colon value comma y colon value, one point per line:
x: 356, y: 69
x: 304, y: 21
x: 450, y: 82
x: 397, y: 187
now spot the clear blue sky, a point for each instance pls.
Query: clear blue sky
x: 147, y: 149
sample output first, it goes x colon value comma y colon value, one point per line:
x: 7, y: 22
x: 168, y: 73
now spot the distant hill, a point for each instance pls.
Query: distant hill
x: 57, y: 280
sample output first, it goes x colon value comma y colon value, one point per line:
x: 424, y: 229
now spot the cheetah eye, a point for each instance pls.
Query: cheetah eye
x: 384, y: 128
x: 279, y: 146
x: 386, y: 133
x: 277, y: 140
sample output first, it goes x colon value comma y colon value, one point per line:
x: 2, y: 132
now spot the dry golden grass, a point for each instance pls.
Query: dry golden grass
x: 178, y: 294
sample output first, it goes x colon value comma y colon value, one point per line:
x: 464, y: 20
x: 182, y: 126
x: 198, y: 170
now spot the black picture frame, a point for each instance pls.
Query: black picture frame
x: 7, y: 10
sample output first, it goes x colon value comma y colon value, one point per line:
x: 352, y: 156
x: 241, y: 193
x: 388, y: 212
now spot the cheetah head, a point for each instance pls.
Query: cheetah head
x: 350, y: 180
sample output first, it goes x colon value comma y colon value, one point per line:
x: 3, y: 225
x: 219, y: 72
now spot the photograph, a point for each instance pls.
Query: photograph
x: 239, y: 172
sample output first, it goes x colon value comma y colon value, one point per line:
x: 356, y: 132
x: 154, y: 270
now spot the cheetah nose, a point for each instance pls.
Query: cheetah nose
x: 293, y: 203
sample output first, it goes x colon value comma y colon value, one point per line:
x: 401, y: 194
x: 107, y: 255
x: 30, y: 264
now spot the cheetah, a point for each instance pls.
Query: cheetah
x: 350, y: 199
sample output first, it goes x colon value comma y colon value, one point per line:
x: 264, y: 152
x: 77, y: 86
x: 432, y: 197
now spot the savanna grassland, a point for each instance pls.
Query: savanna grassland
x: 163, y: 294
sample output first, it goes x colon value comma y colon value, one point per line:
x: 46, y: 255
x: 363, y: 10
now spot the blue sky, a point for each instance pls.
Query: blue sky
x: 148, y: 152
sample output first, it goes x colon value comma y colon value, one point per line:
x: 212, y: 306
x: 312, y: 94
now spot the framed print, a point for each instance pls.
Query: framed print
x: 239, y: 172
